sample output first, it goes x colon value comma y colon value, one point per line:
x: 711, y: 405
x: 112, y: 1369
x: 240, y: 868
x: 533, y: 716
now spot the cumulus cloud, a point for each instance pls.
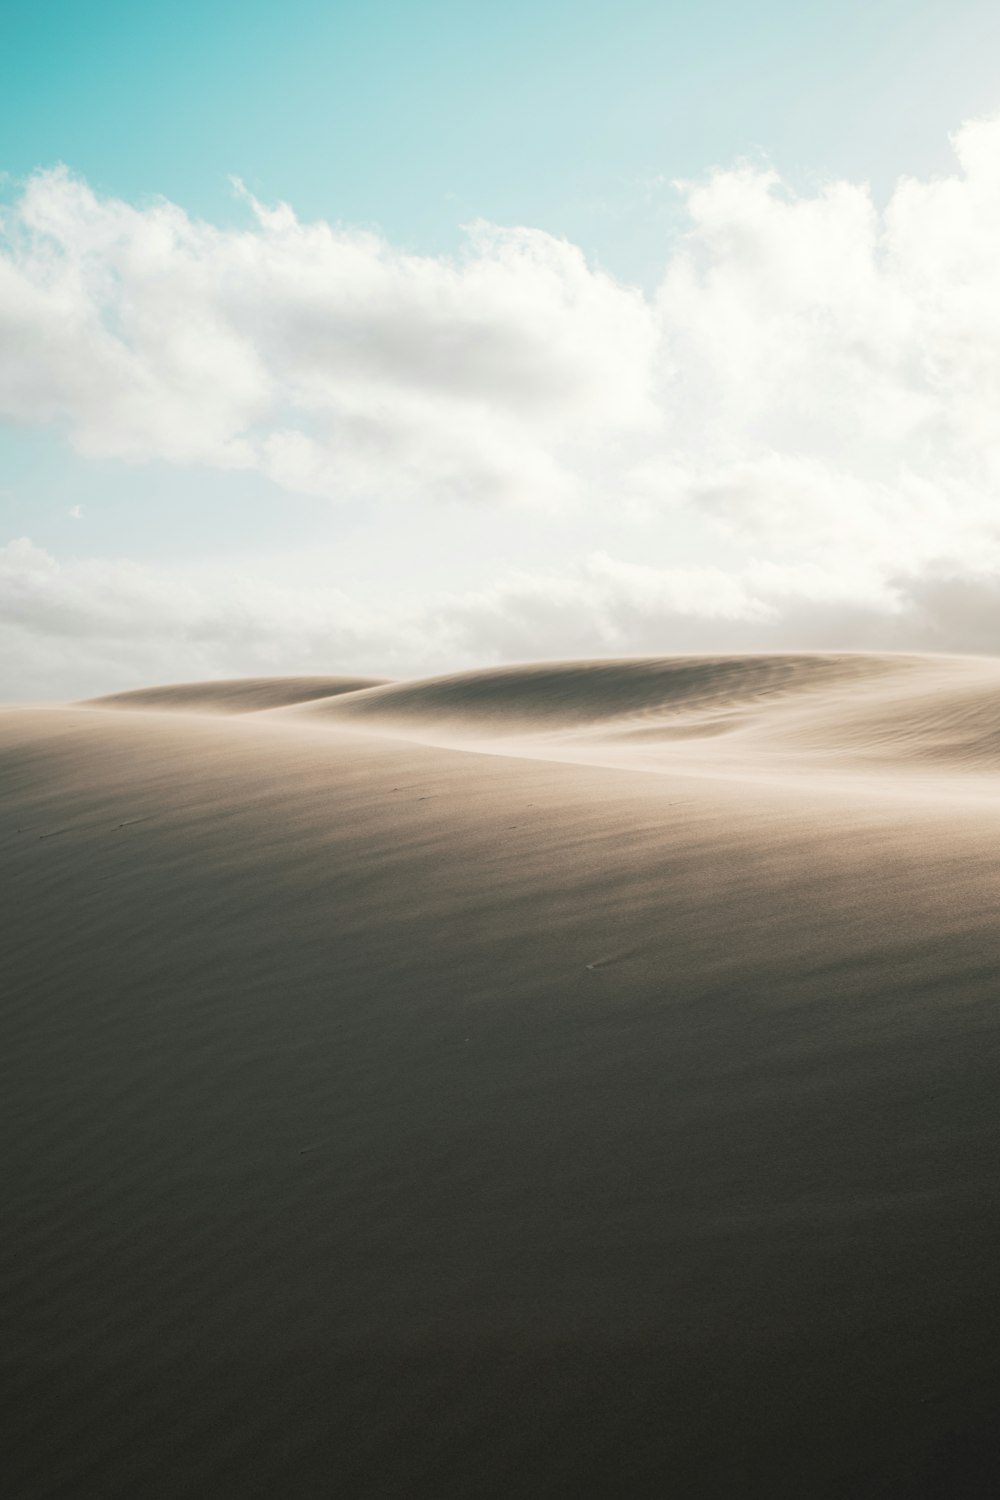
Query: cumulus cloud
x: 321, y: 356
x: 836, y: 370
x: 793, y: 342
x: 813, y: 383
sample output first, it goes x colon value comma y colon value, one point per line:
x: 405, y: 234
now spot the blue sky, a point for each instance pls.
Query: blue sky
x: 453, y: 493
x: 568, y: 115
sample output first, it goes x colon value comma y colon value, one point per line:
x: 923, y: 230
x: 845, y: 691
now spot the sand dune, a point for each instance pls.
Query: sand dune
x: 610, y: 1111
x: 573, y: 695
x: 838, y: 713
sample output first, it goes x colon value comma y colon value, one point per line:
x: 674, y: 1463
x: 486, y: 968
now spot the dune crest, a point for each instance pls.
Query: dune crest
x: 233, y: 695
x: 578, y: 695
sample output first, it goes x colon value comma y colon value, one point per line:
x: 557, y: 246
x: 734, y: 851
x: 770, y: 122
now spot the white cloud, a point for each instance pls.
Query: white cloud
x: 796, y: 346
x: 323, y: 357
x: 814, y: 383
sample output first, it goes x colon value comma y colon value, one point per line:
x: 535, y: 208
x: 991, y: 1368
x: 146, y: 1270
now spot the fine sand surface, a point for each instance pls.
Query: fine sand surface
x: 578, y: 1079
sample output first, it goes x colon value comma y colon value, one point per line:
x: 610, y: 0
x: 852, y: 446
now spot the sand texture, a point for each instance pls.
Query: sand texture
x: 579, y: 1079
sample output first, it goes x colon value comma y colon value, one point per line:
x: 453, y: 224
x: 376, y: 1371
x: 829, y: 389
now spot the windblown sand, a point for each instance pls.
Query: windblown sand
x: 561, y: 1081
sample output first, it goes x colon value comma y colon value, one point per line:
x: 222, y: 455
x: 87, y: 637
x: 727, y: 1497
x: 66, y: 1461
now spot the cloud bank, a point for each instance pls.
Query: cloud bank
x: 321, y: 357
x: 814, y: 379
x: 74, y: 629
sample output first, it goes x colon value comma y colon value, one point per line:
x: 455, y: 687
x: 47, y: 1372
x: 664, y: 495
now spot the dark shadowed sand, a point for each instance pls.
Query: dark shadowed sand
x: 568, y: 1080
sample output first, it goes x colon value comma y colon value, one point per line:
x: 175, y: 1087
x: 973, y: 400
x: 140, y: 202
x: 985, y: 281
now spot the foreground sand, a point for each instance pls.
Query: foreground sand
x: 554, y: 1082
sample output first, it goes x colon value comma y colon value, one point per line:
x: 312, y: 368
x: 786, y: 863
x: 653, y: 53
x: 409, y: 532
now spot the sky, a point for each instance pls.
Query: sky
x: 398, y: 339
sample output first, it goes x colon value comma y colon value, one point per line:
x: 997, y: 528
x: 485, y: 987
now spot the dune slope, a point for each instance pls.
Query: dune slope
x: 381, y: 1119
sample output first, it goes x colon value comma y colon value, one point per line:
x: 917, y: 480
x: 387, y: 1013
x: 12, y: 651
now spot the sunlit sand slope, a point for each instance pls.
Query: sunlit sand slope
x: 846, y: 711
x: 384, y: 1119
x: 237, y: 695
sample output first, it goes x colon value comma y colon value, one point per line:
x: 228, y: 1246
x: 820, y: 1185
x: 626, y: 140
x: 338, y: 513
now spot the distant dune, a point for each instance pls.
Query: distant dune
x: 567, y: 695
x: 235, y: 695
x: 562, y: 1080
x: 838, y: 712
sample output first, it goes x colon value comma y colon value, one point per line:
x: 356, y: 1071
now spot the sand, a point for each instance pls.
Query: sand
x: 569, y: 1080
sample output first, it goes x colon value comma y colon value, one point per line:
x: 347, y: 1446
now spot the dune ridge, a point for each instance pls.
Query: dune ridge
x: 234, y: 695
x: 584, y: 694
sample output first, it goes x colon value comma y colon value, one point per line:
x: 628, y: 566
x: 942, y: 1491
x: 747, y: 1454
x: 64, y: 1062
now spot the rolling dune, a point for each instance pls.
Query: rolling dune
x: 814, y: 713
x: 583, y: 695
x: 609, y: 1111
